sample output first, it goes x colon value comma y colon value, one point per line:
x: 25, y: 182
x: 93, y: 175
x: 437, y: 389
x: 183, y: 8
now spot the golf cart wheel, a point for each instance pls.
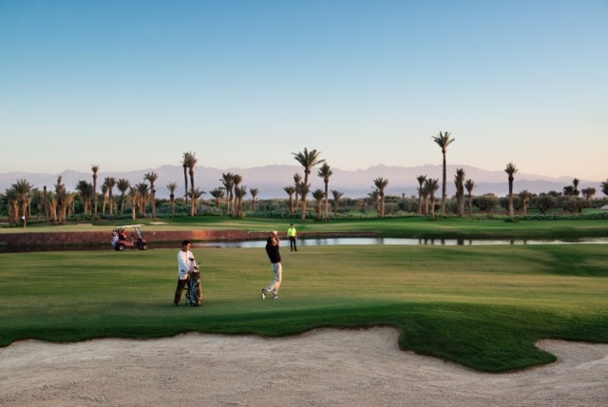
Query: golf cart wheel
x: 144, y: 246
x: 121, y: 247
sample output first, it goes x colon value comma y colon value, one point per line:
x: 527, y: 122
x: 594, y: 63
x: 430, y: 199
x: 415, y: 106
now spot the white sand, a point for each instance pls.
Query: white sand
x: 325, y: 367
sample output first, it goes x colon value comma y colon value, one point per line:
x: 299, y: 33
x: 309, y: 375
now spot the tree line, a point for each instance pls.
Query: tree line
x: 21, y: 200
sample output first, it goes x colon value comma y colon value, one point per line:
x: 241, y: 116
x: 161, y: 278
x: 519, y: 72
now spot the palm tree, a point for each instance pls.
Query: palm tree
x: 196, y: 196
x: 511, y: 169
x: 95, y: 169
x: 190, y: 162
x: 297, y: 180
x: 142, y: 195
x: 604, y: 185
x: 217, y: 193
x: 52, y: 204
x: 425, y: 199
x: 254, y: 193
x: 380, y: 184
x: 304, y: 190
x: 290, y: 189
x: 85, y: 189
x: 318, y: 194
x: 134, y: 199
x: 44, y: 196
x: 374, y: 197
x: 525, y: 197
x: 12, y: 199
x: 308, y: 159
x: 236, y: 179
x: 104, y: 202
x: 123, y: 185
x: 110, y: 183
x: 22, y: 188
x: 459, y: 182
x: 470, y: 186
x: 575, y: 183
x: 172, y: 187
x: 421, y: 179
x: 239, y: 194
x: 66, y: 200
x: 227, y: 181
x: 63, y: 201
x: 325, y: 172
x: 1, y: 201
x: 431, y: 185
x: 337, y: 195
x: 151, y: 177
x: 443, y: 140
x: 36, y: 200
x: 185, y: 158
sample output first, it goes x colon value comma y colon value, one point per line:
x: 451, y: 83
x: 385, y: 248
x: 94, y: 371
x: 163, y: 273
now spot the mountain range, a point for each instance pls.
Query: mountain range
x: 271, y: 179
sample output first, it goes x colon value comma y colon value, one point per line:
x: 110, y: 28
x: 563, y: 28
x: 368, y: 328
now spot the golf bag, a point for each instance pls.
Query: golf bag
x: 194, y: 295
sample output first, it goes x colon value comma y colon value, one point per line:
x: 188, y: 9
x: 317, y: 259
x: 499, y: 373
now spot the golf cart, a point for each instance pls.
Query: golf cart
x: 120, y: 240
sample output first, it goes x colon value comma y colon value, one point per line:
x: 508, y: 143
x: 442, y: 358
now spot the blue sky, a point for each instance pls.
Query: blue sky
x: 133, y: 85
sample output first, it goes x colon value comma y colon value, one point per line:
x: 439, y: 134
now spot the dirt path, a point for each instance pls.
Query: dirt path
x: 322, y: 368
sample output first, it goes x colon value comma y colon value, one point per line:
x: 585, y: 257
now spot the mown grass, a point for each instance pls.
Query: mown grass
x: 481, y: 306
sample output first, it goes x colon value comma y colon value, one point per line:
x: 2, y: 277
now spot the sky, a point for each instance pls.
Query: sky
x: 130, y: 85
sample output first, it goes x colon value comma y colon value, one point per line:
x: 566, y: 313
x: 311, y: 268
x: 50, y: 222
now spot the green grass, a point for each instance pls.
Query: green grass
x: 420, y: 227
x: 481, y: 306
x: 416, y: 227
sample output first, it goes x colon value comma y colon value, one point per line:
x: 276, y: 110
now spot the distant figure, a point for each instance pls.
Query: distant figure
x: 272, y: 250
x: 292, y: 233
x: 114, y: 238
x: 23, y: 220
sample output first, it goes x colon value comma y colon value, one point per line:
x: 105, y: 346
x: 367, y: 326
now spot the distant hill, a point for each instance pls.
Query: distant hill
x: 271, y: 179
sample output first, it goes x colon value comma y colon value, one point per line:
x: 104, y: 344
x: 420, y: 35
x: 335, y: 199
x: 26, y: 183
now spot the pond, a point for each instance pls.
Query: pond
x: 324, y: 242
x: 401, y: 241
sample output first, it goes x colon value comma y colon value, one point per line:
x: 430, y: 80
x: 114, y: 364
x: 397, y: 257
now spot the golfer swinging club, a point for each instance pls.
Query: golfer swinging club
x: 272, y: 250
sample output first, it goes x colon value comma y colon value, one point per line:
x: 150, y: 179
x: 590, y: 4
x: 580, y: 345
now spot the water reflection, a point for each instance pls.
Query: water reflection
x: 323, y: 242
x: 402, y: 241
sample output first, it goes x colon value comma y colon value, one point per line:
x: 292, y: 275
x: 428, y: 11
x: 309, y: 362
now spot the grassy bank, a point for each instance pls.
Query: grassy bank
x: 482, y: 306
x: 415, y: 227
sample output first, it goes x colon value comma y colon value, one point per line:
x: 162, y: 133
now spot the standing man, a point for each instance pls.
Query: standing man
x: 272, y: 250
x: 291, y: 232
x: 185, y: 266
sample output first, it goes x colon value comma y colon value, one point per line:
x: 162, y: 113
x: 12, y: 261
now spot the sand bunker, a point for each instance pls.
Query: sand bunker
x: 325, y: 367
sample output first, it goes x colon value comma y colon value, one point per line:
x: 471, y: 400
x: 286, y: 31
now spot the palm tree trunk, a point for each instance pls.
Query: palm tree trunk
x: 304, y: 196
x: 443, y: 184
x: 186, y: 184
x: 511, y: 196
x: 326, y: 202
x: 193, y: 203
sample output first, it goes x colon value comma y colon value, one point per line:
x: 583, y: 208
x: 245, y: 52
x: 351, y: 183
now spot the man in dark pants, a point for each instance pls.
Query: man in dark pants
x: 291, y: 232
x: 272, y: 250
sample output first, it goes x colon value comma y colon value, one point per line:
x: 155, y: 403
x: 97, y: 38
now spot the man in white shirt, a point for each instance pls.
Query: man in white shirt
x: 185, y: 266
